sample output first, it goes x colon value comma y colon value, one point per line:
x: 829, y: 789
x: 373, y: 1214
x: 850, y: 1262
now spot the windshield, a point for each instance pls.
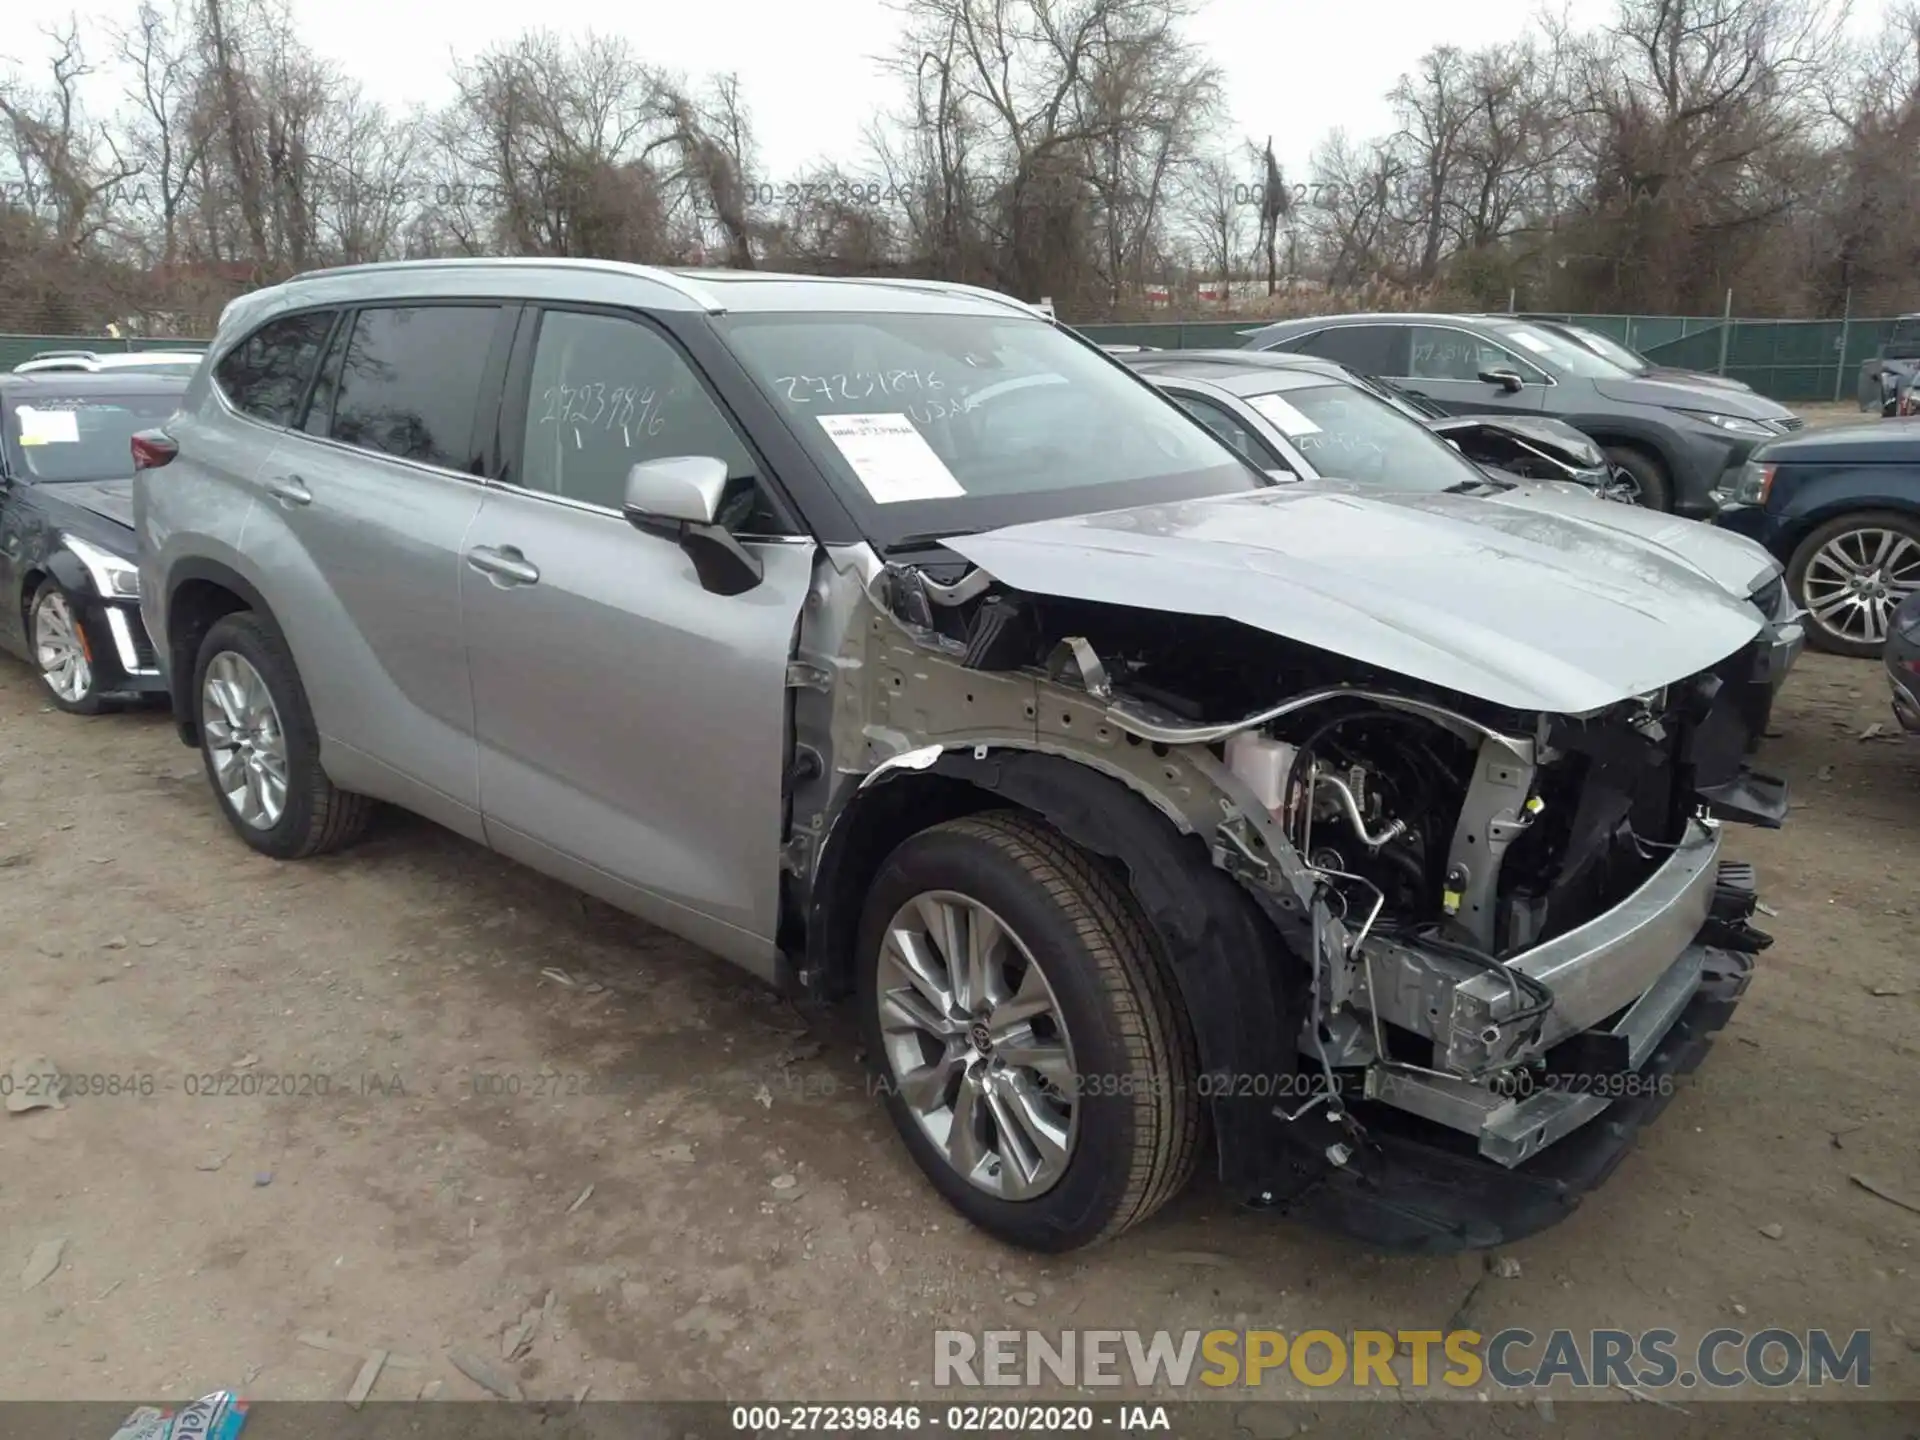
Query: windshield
x: 54, y: 438
x: 1347, y: 434
x: 1626, y: 359
x: 1904, y: 343
x: 931, y: 425
x: 1557, y: 351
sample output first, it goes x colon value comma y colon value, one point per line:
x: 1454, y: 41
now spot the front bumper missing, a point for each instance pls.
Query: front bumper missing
x: 1508, y: 1127
x: 1423, y: 1193
x: 1593, y: 970
x: 1620, y: 983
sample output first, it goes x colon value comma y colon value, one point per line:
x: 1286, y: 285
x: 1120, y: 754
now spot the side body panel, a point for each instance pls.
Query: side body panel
x: 633, y: 731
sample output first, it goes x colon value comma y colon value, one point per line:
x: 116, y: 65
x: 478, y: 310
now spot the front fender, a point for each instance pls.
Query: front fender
x: 1838, y: 490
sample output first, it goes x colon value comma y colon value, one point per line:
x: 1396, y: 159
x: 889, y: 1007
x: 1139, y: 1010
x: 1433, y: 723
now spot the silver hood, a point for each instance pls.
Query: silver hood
x: 1733, y: 562
x: 1518, y: 606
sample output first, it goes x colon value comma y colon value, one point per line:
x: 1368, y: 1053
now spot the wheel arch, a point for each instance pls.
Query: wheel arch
x: 1239, y: 984
x: 199, y: 593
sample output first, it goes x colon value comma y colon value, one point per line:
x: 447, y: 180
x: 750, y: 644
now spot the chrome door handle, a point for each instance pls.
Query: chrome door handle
x: 506, y: 565
x: 289, y: 490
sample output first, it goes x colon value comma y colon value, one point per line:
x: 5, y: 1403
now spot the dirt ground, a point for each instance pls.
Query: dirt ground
x: 527, y: 1093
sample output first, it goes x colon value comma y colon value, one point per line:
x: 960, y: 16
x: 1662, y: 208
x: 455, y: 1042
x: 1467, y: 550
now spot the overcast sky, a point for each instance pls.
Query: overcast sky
x: 811, y: 71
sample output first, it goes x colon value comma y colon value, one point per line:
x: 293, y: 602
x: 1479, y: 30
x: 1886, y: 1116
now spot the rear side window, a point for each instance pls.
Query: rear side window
x: 1370, y: 349
x: 406, y: 383
x: 266, y: 374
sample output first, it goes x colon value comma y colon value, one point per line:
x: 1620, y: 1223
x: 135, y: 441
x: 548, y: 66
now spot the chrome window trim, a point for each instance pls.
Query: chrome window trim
x: 589, y: 507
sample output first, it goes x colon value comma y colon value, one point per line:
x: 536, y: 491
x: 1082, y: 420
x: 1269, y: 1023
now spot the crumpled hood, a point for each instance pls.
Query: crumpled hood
x: 1519, y: 606
x: 1554, y: 436
x: 1733, y: 562
x: 1677, y: 395
x: 109, y: 499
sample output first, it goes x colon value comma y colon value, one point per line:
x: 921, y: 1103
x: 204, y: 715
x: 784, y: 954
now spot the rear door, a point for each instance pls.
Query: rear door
x: 1367, y: 349
x: 633, y: 730
x: 361, y: 514
x: 1445, y: 365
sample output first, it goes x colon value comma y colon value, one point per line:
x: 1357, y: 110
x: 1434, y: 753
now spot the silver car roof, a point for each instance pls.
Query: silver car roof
x: 613, y: 282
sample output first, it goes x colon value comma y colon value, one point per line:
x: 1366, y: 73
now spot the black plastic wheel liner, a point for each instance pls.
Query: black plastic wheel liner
x: 1240, y: 985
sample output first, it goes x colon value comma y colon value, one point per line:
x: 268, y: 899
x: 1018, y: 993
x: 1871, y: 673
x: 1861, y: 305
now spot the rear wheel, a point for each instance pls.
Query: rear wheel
x: 1032, y: 1055
x: 1851, y: 574
x: 1638, y: 478
x: 260, y: 746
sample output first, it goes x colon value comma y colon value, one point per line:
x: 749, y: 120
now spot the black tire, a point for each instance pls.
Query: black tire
x: 319, y: 817
x: 1138, y: 1138
x: 1649, y: 475
x: 89, y: 702
x: 1818, y: 635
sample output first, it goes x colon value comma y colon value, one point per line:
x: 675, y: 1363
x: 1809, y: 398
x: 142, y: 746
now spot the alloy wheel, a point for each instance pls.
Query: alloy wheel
x: 1620, y: 486
x: 1857, y: 580
x: 242, y: 733
x: 977, y: 1045
x: 60, y: 649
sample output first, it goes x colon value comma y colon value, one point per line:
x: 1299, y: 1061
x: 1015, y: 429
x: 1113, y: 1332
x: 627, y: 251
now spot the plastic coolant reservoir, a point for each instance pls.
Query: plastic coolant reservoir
x: 1263, y: 764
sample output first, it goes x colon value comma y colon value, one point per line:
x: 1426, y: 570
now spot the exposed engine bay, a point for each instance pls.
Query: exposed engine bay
x: 1476, y: 897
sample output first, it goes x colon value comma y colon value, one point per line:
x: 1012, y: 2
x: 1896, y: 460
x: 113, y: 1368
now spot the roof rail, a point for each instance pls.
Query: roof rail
x: 939, y: 287
x: 63, y: 355
x: 679, y: 284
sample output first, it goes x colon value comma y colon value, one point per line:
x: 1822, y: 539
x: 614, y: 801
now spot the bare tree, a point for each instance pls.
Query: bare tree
x: 70, y: 168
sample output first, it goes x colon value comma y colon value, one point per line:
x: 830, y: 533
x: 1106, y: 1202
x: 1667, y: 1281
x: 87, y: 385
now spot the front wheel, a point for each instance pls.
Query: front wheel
x: 1025, y: 1033
x: 1851, y: 574
x: 62, y: 653
x: 261, y: 748
x: 1638, y: 478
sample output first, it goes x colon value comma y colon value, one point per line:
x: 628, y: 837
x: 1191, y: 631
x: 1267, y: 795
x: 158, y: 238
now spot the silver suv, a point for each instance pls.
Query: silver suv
x: 889, y: 640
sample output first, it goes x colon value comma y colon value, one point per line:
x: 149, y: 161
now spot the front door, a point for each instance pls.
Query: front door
x: 1447, y: 366
x: 632, y: 725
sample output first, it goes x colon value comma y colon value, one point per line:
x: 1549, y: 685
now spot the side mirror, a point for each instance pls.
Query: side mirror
x: 1507, y: 380
x: 678, y: 497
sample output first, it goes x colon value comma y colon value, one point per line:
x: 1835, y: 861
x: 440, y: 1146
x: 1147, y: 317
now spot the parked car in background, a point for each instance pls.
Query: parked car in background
x: 890, y: 641
x: 1892, y: 367
x: 1313, y: 420
x: 1632, y: 361
x: 68, y: 567
x: 134, y: 362
x: 1841, y: 509
x: 1531, y: 447
x: 1903, y: 663
x: 1675, y: 440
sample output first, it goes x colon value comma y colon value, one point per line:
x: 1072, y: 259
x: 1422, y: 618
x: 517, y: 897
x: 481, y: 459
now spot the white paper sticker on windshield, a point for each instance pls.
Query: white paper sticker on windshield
x: 48, y: 427
x: 1532, y: 342
x: 1282, y: 414
x: 891, y: 458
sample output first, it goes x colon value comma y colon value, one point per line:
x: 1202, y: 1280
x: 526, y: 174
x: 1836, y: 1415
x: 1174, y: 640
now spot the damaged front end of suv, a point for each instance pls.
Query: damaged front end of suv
x: 1446, y: 903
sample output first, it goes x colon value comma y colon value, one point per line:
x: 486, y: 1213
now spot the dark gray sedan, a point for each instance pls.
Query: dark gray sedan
x: 1676, y: 440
